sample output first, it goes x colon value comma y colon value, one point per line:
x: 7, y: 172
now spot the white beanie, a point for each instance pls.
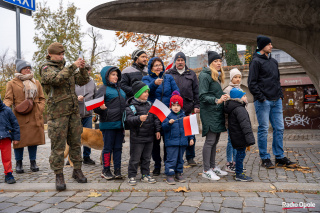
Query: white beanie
x: 234, y: 72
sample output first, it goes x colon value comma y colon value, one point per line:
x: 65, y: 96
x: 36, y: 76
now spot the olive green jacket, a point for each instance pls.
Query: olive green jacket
x: 59, y: 82
x: 211, y: 114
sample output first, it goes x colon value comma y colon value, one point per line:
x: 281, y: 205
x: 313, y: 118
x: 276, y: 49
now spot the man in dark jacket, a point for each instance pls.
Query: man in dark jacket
x: 188, y: 84
x: 137, y: 70
x: 264, y: 84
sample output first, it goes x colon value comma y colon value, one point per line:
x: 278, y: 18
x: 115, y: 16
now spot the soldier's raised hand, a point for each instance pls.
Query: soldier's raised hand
x: 79, y: 62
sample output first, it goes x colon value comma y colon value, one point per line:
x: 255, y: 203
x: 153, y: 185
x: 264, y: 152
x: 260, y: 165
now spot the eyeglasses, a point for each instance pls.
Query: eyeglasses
x: 156, y: 66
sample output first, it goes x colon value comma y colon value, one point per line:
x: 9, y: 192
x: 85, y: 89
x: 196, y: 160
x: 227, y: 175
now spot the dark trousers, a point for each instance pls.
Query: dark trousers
x: 139, y: 152
x: 241, y: 154
x: 174, y: 162
x: 190, y: 151
x: 112, y: 139
x: 156, y: 156
x: 18, y: 153
x: 86, y: 122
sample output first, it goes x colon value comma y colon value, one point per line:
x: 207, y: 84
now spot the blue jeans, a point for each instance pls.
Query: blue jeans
x: 18, y: 153
x: 270, y: 110
x: 241, y: 154
x: 112, y: 143
x: 174, y: 162
x: 231, y: 152
x: 86, y: 122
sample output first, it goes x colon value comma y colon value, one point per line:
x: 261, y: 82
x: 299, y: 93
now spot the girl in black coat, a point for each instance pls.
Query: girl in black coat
x: 240, y: 130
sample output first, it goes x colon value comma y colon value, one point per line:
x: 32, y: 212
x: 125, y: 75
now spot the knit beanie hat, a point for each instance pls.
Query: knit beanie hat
x: 176, y: 98
x: 55, y: 48
x: 135, y: 55
x: 212, y: 55
x: 234, y: 72
x: 262, y: 41
x: 237, y: 93
x: 20, y: 64
x: 138, y: 87
x: 180, y: 55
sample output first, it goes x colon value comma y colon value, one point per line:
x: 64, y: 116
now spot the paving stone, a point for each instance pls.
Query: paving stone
x: 83, y: 194
x: 266, y: 194
x: 232, y: 203
x: 99, y: 209
x: 96, y: 199
x: 274, y: 201
x: 135, y: 199
x: 121, y: 194
x: 26, y: 194
x: 252, y: 210
x: 315, y: 196
x: 54, y: 200
x: 273, y: 208
x: 109, y: 203
x: 140, y: 210
x: 73, y: 210
x: 188, y: 202
x: 248, y: 194
x: 53, y: 210
x: 170, y: 204
x: 210, y: 206
x: 76, y: 199
x: 9, y: 194
x: 39, y: 207
x: 117, y: 211
x: 5, y: 205
x: 215, y: 194
x: 229, y: 194
x: 157, y: 194
x: 125, y: 206
x: 65, y: 194
x: 13, y: 209
x: 193, y: 194
x: 254, y: 201
x: 187, y: 209
x: 17, y: 199
x: 139, y: 194
x: 228, y: 210
x: 45, y: 194
x: 4, y: 198
x: 175, y: 198
x: 85, y: 205
x: 27, y: 203
x: 155, y: 199
x: 148, y: 205
x: 65, y: 205
x: 164, y: 210
x: 290, y: 195
x: 117, y: 198
x: 38, y: 199
x: 200, y: 198
x: 174, y: 194
x: 105, y: 194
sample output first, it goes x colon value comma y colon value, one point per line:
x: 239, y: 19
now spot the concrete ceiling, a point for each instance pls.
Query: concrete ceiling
x: 292, y: 25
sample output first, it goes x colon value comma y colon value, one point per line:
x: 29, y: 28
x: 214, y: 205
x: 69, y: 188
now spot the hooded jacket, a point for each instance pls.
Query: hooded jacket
x: 161, y: 92
x: 89, y: 91
x: 9, y: 127
x: 145, y: 133
x: 114, y: 99
x: 264, y: 78
x: 174, y: 133
x: 211, y: 114
x: 239, y: 124
x: 189, y: 88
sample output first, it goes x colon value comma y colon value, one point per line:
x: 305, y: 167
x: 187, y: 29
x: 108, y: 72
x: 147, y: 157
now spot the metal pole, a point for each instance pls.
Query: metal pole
x: 18, y: 32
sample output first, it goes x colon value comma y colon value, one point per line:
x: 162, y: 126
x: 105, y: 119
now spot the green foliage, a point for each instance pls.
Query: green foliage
x: 231, y: 54
x: 61, y: 26
x: 7, y: 70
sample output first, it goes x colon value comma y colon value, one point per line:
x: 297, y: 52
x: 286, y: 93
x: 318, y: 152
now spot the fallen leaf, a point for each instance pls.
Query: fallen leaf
x: 181, y: 189
x: 186, y: 167
x: 272, y: 187
x: 91, y: 172
x: 94, y: 194
x: 304, y: 167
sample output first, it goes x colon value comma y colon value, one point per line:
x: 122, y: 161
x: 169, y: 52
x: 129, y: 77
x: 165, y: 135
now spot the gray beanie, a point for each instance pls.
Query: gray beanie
x: 135, y: 55
x: 234, y: 72
x: 20, y: 64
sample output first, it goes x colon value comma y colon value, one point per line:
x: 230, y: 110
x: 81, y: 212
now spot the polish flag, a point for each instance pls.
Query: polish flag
x: 160, y: 110
x: 170, y: 65
x: 90, y: 105
x: 190, y: 125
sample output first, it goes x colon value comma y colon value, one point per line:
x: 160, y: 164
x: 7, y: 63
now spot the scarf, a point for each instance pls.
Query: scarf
x: 181, y: 71
x: 30, y: 88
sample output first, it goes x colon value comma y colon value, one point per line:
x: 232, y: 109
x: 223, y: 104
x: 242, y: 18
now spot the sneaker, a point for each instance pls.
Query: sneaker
x: 191, y: 162
x: 88, y: 160
x: 230, y: 168
x: 170, y: 180
x: 9, y: 178
x: 147, y: 179
x: 285, y: 162
x: 210, y: 175
x: 242, y: 177
x: 218, y: 171
x: 106, y: 173
x: 117, y: 173
x: 180, y: 178
x: 267, y: 164
x: 132, y: 181
x: 156, y: 172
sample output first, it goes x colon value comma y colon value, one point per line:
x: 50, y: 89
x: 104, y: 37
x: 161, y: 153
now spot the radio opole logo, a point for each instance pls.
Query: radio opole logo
x: 300, y: 205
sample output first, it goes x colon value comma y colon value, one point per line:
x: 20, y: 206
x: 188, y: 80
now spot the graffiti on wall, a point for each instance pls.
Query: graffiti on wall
x: 297, y: 120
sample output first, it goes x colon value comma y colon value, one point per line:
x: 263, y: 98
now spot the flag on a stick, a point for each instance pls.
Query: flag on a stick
x: 190, y: 125
x: 170, y: 65
x: 160, y: 110
x: 90, y: 105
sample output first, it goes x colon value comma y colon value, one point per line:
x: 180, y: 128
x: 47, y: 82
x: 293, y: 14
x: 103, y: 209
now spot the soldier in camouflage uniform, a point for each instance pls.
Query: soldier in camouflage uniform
x: 64, y: 123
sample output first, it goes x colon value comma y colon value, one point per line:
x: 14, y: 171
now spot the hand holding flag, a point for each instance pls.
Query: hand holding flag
x: 95, y: 103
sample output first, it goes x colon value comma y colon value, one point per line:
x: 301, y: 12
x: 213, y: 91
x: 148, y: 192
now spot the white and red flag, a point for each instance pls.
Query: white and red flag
x: 190, y: 125
x: 170, y: 65
x: 160, y: 110
x: 90, y: 105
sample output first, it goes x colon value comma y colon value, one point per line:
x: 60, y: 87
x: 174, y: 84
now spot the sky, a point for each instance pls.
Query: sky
x: 8, y: 29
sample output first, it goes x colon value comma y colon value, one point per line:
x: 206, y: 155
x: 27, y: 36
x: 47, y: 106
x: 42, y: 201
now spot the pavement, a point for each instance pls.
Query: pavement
x: 35, y: 191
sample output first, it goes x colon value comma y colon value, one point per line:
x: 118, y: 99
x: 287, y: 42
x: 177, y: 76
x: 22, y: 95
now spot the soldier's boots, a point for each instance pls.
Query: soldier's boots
x: 60, y: 184
x: 19, y: 167
x: 78, y: 175
x: 33, y: 166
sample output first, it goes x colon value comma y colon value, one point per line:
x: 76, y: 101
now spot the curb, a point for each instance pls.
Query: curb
x: 194, y: 187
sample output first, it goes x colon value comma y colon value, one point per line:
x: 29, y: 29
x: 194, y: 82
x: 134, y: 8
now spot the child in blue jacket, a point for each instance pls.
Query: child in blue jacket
x: 175, y: 140
x: 9, y: 131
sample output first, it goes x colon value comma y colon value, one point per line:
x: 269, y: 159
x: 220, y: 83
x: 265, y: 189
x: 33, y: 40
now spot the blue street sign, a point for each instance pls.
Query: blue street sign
x: 28, y: 4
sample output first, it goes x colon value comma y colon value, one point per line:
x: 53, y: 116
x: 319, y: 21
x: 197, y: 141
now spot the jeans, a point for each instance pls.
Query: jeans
x: 86, y: 122
x: 270, y: 110
x: 231, y: 152
x: 18, y: 153
x: 241, y: 154
x: 112, y: 139
x: 174, y: 162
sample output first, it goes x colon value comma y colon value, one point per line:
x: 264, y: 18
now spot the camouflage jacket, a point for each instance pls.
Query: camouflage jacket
x: 59, y: 82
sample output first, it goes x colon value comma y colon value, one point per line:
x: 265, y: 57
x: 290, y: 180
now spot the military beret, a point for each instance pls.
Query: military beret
x: 55, y: 48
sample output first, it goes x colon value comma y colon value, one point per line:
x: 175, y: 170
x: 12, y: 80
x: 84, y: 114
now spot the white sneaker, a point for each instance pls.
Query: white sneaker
x: 218, y: 171
x: 210, y: 175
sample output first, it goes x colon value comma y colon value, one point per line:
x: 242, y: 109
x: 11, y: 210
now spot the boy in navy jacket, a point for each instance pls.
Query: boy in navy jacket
x: 175, y: 140
x: 9, y: 131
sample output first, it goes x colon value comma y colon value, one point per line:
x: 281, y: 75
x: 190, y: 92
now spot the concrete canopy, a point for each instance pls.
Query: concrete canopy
x: 292, y: 25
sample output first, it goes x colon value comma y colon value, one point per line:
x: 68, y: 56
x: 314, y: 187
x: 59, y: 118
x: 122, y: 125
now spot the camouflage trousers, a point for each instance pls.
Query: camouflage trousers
x: 64, y: 130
